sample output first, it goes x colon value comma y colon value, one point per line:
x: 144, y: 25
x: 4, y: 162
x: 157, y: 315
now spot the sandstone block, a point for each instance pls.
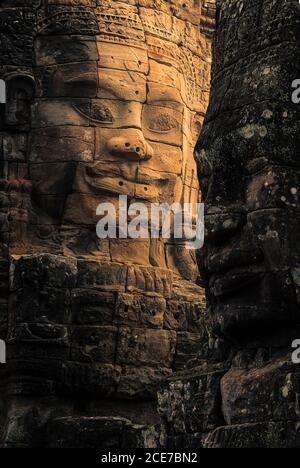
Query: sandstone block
x: 140, y: 311
x: 143, y: 347
x: 94, y: 344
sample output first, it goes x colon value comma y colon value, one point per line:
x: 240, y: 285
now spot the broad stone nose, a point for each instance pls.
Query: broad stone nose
x: 132, y: 146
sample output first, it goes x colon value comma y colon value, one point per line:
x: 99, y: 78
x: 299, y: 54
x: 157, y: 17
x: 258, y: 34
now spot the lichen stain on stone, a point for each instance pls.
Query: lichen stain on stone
x: 251, y: 130
x: 267, y: 114
x: 288, y: 387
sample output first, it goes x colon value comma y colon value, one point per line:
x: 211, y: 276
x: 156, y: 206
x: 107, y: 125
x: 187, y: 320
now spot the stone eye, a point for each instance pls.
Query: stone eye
x: 163, y: 123
x: 101, y: 113
x: 97, y: 112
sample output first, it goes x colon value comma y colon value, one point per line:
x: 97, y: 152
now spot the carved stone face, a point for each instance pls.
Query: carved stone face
x: 133, y: 127
x: 248, y: 154
x: 117, y: 112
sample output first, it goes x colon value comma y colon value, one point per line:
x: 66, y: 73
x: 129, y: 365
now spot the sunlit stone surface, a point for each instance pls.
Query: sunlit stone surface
x: 104, y: 98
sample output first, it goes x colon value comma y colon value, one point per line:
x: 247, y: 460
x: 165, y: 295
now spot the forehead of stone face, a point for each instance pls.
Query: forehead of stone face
x: 125, y: 85
x: 120, y: 38
x: 123, y: 57
x: 61, y: 49
x: 67, y: 65
x: 130, y: 36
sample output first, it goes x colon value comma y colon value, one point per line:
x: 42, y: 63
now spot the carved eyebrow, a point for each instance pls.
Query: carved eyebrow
x: 107, y: 84
x: 84, y: 78
x: 163, y: 103
x: 168, y: 95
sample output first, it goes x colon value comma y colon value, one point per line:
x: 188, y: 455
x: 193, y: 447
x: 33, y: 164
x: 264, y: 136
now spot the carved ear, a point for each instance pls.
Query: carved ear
x: 20, y: 91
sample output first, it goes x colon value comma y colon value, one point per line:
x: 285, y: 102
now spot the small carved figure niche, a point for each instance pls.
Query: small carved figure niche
x: 20, y: 90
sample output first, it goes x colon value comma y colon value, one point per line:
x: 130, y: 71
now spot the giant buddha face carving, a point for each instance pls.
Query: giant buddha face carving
x: 120, y: 103
x: 248, y: 154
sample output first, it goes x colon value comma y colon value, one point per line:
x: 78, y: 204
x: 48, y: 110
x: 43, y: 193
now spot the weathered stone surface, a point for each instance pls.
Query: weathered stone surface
x: 150, y: 280
x: 261, y: 435
x: 175, y: 318
x: 92, y: 307
x: 140, y: 311
x: 248, y: 169
x: 255, y: 218
x: 52, y: 50
x: 261, y: 394
x: 191, y: 402
x: 105, y: 276
x: 94, y: 344
x: 45, y: 270
x: 25, y: 426
x: 146, y: 347
x: 144, y: 437
x: 103, y: 433
x: 3, y: 319
x: 104, y: 98
x: 90, y: 379
x: 130, y: 250
x: 86, y: 432
x: 57, y: 144
x: 141, y: 383
x: 188, y: 345
x: 187, y: 441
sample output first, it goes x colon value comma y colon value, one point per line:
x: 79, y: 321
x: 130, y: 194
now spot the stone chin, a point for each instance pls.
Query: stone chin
x: 253, y: 309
